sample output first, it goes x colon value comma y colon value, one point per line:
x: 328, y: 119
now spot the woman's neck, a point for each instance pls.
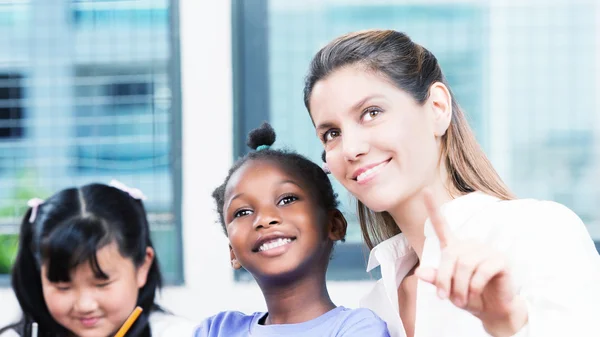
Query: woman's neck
x: 411, y: 214
x: 297, y: 301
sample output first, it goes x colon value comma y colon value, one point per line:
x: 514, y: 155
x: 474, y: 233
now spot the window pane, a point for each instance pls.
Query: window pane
x: 511, y: 67
x: 85, y: 96
x: 297, y: 32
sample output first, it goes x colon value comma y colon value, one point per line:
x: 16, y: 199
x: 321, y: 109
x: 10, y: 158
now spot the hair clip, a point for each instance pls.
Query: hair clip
x: 326, y: 168
x: 262, y: 147
x: 34, y: 204
x: 133, y: 192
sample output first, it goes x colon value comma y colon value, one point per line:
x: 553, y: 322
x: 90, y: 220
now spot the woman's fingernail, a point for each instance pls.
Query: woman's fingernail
x: 442, y: 294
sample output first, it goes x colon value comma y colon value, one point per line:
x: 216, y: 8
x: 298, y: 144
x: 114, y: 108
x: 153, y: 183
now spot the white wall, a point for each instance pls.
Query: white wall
x: 207, y: 154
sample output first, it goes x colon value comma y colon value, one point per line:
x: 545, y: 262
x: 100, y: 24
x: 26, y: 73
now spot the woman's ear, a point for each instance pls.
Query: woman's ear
x: 142, y: 271
x: 337, y: 226
x: 440, y: 102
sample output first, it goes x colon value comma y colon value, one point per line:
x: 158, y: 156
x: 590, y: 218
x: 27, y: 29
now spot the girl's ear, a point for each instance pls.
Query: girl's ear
x: 234, y: 261
x: 142, y: 271
x: 337, y: 226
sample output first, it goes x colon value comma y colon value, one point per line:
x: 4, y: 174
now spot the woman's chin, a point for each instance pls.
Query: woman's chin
x: 376, y: 205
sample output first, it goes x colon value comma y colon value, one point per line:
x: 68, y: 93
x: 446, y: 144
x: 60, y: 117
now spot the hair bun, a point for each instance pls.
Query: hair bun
x: 263, y: 135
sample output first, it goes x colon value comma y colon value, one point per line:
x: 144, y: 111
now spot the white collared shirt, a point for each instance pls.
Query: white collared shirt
x: 553, y: 261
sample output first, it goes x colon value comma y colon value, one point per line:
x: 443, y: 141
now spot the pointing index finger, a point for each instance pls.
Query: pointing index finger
x: 440, y: 226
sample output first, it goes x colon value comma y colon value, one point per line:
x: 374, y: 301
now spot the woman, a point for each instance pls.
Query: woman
x: 459, y: 255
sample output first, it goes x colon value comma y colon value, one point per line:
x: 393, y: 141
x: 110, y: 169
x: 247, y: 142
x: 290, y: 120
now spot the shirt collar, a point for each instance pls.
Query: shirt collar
x: 392, y: 249
x: 456, y: 213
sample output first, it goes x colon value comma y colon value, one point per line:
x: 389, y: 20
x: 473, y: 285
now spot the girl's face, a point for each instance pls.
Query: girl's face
x: 91, y: 306
x: 380, y: 143
x: 275, y: 228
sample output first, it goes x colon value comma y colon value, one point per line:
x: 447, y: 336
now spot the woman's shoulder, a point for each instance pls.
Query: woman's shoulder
x: 535, y: 211
x: 166, y: 324
x: 505, y: 222
x: 532, y: 223
x: 532, y: 203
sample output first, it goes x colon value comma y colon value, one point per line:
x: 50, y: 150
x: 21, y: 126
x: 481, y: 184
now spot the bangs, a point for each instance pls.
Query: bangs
x: 75, y: 242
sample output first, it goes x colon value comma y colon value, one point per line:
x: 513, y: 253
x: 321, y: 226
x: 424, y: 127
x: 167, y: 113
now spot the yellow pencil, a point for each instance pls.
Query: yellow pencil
x: 129, y: 322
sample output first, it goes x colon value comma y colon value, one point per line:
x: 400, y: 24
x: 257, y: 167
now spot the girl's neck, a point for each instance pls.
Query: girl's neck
x: 297, y: 301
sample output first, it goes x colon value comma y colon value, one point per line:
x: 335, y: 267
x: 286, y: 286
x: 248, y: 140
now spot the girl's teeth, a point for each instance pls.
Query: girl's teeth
x: 274, y: 244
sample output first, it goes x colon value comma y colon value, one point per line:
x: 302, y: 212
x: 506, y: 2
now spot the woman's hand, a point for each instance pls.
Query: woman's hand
x: 475, y: 278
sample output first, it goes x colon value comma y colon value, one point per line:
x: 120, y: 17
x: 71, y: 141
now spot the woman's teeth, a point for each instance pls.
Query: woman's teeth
x: 369, y: 172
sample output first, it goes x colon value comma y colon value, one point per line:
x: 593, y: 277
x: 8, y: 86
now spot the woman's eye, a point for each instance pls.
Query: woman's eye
x: 371, y: 113
x: 287, y: 200
x: 330, y: 135
x: 62, y: 287
x: 242, y: 212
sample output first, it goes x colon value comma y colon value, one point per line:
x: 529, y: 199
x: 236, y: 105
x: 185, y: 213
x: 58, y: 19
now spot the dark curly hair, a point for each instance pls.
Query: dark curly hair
x: 311, y: 174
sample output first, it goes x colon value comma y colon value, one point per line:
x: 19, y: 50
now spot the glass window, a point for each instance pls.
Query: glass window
x: 550, y: 110
x: 11, y: 113
x: 121, y: 124
x: 86, y: 96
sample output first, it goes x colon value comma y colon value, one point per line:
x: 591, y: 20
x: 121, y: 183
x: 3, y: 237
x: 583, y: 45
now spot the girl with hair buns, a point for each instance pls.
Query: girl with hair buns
x: 280, y: 214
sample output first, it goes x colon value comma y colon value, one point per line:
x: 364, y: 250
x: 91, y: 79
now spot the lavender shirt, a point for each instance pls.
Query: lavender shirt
x: 337, y: 322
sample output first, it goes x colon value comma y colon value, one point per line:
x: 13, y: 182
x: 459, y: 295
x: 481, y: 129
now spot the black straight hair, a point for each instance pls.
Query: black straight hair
x: 68, y: 229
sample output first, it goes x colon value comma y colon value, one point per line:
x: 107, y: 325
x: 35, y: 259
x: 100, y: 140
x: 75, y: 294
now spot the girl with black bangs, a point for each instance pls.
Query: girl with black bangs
x: 85, y: 261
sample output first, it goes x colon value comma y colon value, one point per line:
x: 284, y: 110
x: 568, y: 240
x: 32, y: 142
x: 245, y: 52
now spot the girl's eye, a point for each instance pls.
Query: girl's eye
x: 287, y: 200
x: 241, y: 213
x: 370, y: 113
x: 103, y: 285
x: 62, y: 287
x: 330, y: 135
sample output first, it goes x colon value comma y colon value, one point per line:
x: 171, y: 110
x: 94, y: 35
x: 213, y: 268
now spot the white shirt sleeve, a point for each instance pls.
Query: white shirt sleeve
x: 558, y: 269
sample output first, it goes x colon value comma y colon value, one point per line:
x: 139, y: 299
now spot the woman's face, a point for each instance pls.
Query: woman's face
x: 380, y: 143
